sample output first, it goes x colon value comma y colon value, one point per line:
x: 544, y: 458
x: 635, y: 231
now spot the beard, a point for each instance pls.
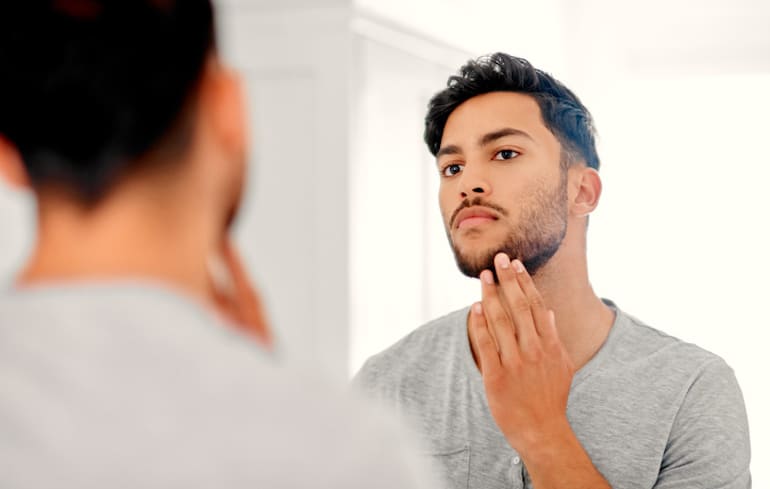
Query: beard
x: 542, y: 227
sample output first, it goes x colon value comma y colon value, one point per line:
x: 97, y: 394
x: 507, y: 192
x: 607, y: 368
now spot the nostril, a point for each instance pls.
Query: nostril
x: 478, y: 190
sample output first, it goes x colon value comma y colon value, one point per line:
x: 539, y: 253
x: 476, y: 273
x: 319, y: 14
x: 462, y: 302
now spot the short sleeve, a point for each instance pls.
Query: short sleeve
x: 369, y: 381
x: 708, y: 447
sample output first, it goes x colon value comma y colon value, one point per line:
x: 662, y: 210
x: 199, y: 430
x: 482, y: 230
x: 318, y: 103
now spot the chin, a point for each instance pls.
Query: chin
x: 472, y: 262
x: 475, y: 244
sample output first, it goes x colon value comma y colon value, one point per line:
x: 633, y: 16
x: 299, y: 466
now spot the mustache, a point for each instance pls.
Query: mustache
x: 477, y: 201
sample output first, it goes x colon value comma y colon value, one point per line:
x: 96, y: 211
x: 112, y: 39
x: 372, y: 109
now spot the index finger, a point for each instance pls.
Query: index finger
x: 540, y: 313
x: 487, y: 356
x: 242, y: 300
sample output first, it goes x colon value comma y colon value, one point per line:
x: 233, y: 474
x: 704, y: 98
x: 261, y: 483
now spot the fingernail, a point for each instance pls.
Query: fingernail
x: 487, y: 278
x: 477, y: 309
x: 502, y: 260
x: 518, y: 266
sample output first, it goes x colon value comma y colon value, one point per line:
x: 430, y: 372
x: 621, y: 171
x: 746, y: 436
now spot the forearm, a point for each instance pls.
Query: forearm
x: 559, y: 461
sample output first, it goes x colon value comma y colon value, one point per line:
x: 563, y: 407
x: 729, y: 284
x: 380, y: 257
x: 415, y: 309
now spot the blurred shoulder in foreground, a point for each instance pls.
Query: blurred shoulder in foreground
x: 133, y: 349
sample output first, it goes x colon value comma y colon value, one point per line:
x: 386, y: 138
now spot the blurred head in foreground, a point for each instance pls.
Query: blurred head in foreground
x: 122, y: 120
x: 129, y: 130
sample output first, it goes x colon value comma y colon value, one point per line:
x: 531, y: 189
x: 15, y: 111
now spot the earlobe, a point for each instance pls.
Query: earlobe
x: 11, y: 166
x: 227, y: 103
x: 588, y: 192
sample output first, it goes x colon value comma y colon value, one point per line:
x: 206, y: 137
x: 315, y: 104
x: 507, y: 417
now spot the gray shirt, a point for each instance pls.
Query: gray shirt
x: 651, y: 411
x: 133, y: 386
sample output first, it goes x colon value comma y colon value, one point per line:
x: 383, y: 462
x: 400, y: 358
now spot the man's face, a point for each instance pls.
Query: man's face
x: 502, y: 187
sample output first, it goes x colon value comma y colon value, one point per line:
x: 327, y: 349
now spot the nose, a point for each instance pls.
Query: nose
x: 473, y: 182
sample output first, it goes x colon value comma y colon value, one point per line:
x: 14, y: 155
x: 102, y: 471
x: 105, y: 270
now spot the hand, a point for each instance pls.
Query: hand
x: 526, y: 370
x: 234, y: 295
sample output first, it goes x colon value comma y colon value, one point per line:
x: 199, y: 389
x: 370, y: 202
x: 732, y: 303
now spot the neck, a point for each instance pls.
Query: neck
x: 582, y: 319
x: 121, y: 238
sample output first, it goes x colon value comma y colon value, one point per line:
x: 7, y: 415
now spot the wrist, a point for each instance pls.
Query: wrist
x: 546, y: 443
x: 556, y: 455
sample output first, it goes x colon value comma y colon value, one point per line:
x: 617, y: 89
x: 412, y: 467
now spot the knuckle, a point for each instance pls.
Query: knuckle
x: 551, y: 342
x: 484, y: 340
x: 552, y: 348
x: 495, y: 380
x: 537, y: 301
x: 521, y: 304
x: 512, y: 363
x: 533, y: 354
x: 497, y: 315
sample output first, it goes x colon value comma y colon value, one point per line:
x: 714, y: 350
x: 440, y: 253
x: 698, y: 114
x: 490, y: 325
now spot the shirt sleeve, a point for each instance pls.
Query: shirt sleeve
x: 363, y: 381
x: 709, y: 445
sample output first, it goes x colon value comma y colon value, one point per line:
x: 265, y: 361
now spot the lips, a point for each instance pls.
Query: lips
x: 473, y: 216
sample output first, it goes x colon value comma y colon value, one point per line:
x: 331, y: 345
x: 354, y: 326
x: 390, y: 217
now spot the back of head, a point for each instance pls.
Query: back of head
x: 562, y: 112
x: 90, y: 88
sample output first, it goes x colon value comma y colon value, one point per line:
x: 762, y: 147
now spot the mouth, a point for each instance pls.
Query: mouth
x: 473, y: 217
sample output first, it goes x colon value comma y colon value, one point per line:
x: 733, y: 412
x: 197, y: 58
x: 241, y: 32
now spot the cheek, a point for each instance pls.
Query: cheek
x: 445, y: 206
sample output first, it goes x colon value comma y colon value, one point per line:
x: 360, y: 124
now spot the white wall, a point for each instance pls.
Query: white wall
x: 395, y: 74
x: 293, y: 231
x: 17, y: 233
x: 681, y: 238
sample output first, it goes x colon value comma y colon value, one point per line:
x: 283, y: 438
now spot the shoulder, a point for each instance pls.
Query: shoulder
x: 421, y: 349
x: 351, y: 441
x: 702, y: 386
x: 641, y: 343
x: 220, y: 399
x: 708, y: 434
x: 654, y: 375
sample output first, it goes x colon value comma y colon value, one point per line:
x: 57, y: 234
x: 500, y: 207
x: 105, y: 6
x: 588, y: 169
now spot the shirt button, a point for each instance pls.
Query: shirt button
x: 516, y: 460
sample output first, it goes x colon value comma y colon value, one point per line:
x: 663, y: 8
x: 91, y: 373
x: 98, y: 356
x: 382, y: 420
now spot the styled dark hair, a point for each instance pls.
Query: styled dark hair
x: 90, y: 87
x: 562, y: 112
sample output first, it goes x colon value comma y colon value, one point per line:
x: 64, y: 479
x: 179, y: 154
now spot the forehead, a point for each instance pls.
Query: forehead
x: 491, y: 112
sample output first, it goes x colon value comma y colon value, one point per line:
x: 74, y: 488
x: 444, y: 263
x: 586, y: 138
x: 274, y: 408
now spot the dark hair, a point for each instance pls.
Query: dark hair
x: 562, y: 112
x: 89, y: 87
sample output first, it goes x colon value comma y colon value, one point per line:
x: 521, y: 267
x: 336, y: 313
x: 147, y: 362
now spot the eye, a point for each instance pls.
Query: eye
x: 451, y: 170
x: 506, y: 154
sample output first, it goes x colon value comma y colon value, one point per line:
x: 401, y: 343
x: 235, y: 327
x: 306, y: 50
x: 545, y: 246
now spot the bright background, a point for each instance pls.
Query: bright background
x: 341, y: 227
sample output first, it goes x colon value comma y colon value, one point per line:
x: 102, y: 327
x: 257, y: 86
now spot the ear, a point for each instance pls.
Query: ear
x: 223, y: 101
x: 585, y: 190
x: 11, y: 167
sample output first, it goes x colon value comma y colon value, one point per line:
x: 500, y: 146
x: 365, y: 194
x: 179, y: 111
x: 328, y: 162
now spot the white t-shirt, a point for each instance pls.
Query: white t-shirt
x: 132, y: 385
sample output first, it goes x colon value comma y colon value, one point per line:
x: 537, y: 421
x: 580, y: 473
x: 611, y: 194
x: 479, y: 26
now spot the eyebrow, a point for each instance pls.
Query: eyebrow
x: 485, y: 140
x: 507, y: 131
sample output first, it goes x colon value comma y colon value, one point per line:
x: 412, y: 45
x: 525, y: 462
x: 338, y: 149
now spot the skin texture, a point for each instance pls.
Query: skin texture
x: 529, y: 333
x: 163, y: 223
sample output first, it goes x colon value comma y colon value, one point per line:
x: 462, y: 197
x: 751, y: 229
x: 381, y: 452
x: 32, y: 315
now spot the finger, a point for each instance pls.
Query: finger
x: 245, y: 304
x: 539, y: 312
x: 242, y: 288
x: 517, y: 303
x: 497, y: 318
x: 484, y: 345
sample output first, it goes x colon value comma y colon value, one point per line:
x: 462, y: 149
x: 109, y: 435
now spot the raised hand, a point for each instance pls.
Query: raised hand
x: 526, y: 370
x: 234, y: 295
x: 527, y: 376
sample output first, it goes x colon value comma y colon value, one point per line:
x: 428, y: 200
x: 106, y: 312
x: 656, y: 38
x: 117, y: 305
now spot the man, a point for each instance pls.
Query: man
x: 130, y: 348
x: 542, y: 384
